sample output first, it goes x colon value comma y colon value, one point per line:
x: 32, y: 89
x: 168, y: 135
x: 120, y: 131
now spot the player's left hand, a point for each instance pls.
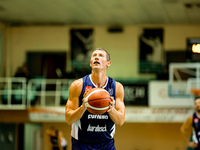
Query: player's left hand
x: 192, y: 144
x: 111, y: 106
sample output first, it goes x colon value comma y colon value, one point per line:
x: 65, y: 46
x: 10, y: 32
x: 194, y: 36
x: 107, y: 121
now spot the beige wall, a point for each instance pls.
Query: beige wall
x: 23, y: 39
x: 2, y: 50
x: 149, y: 136
x: 175, y: 36
x: 123, y: 47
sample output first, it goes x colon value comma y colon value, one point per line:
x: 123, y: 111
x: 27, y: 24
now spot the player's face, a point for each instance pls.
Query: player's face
x: 99, y: 59
x: 197, y: 105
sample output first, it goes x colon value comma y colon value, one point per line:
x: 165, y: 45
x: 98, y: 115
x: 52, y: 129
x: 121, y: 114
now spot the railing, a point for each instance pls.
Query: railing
x: 13, y: 92
x: 18, y: 93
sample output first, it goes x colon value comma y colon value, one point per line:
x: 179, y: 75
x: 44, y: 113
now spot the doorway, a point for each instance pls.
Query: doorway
x: 46, y: 64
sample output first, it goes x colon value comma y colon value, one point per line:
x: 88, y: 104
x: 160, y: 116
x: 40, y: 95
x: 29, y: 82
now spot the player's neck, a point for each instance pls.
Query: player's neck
x: 99, y: 79
x: 198, y: 114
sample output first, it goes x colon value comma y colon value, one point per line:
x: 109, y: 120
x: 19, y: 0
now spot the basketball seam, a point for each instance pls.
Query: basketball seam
x: 94, y: 92
x: 98, y: 99
x: 96, y: 108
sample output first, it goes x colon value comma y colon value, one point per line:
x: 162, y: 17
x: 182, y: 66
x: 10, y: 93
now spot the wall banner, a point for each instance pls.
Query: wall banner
x: 147, y: 114
x: 136, y: 94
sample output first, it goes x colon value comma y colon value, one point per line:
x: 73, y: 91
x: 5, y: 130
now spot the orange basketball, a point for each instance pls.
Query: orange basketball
x: 97, y: 100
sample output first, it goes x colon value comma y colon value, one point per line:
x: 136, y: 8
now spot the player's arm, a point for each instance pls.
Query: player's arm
x: 60, y: 140
x: 117, y: 113
x: 72, y: 110
x: 186, y: 130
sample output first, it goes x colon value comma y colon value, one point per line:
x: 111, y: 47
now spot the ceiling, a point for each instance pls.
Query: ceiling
x: 99, y: 12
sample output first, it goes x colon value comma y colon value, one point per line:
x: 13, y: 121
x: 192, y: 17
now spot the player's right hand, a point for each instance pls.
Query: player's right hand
x: 84, y: 102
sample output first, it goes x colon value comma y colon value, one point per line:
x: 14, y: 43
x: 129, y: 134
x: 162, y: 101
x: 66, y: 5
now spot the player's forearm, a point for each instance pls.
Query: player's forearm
x: 186, y: 135
x: 74, y: 115
x: 117, y: 116
x: 186, y: 139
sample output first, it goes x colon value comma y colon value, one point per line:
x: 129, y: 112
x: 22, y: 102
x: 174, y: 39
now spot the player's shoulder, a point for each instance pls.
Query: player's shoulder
x: 118, y: 84
x: 119, y: 88
x: 76, y: 87
x: 190, y: 119
x: 77, y: 83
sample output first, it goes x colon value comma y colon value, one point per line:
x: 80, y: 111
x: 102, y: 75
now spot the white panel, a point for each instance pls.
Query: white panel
x: 158, y: 96
x: 37, y: 139
x: 157, y: 114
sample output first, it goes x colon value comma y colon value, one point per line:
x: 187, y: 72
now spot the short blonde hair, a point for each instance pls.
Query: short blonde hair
x: 107, y: 54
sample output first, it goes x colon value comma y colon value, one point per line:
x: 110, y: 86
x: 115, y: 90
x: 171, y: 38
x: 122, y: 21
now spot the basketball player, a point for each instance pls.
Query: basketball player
x: 56, y: 139
x: 91, y: 131
x: 192, y: 124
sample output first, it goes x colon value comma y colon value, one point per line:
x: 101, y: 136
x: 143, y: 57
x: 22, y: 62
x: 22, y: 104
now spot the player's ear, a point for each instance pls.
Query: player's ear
x: 90, y: 63
x: 109, y: 63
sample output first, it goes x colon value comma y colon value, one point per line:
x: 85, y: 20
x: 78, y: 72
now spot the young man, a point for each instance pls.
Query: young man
x: 192, y: 124
x: 86, y: 128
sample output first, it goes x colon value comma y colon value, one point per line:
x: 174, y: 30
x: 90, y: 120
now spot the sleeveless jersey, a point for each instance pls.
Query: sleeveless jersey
x: 92, y: 128
x: 196, y: 131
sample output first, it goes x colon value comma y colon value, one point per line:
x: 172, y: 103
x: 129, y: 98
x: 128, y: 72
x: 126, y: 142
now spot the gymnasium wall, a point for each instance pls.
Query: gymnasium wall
x: 2, y: 48
x: 123, y: 46
x: 124, y: 50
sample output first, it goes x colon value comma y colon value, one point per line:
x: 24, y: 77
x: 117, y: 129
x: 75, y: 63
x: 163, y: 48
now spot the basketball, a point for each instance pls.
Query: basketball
x: 97, y: 100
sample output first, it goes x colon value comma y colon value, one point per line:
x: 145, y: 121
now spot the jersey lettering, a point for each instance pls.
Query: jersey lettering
x: 97, y: 116
x: 96, y: 128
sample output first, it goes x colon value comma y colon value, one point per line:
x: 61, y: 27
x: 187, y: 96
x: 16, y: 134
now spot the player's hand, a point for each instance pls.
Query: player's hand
x: 192, y: 144
x: 84, y: 103
x: 111, y: 106
x: 85, y: 100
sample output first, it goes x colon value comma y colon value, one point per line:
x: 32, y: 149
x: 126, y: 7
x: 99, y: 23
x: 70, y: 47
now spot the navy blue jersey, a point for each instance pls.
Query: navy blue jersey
x: 94, y: 128
x: 196, y: 131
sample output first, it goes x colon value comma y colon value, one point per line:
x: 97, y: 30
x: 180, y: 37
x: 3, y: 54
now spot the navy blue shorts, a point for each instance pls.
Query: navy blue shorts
x: 107, y: 145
